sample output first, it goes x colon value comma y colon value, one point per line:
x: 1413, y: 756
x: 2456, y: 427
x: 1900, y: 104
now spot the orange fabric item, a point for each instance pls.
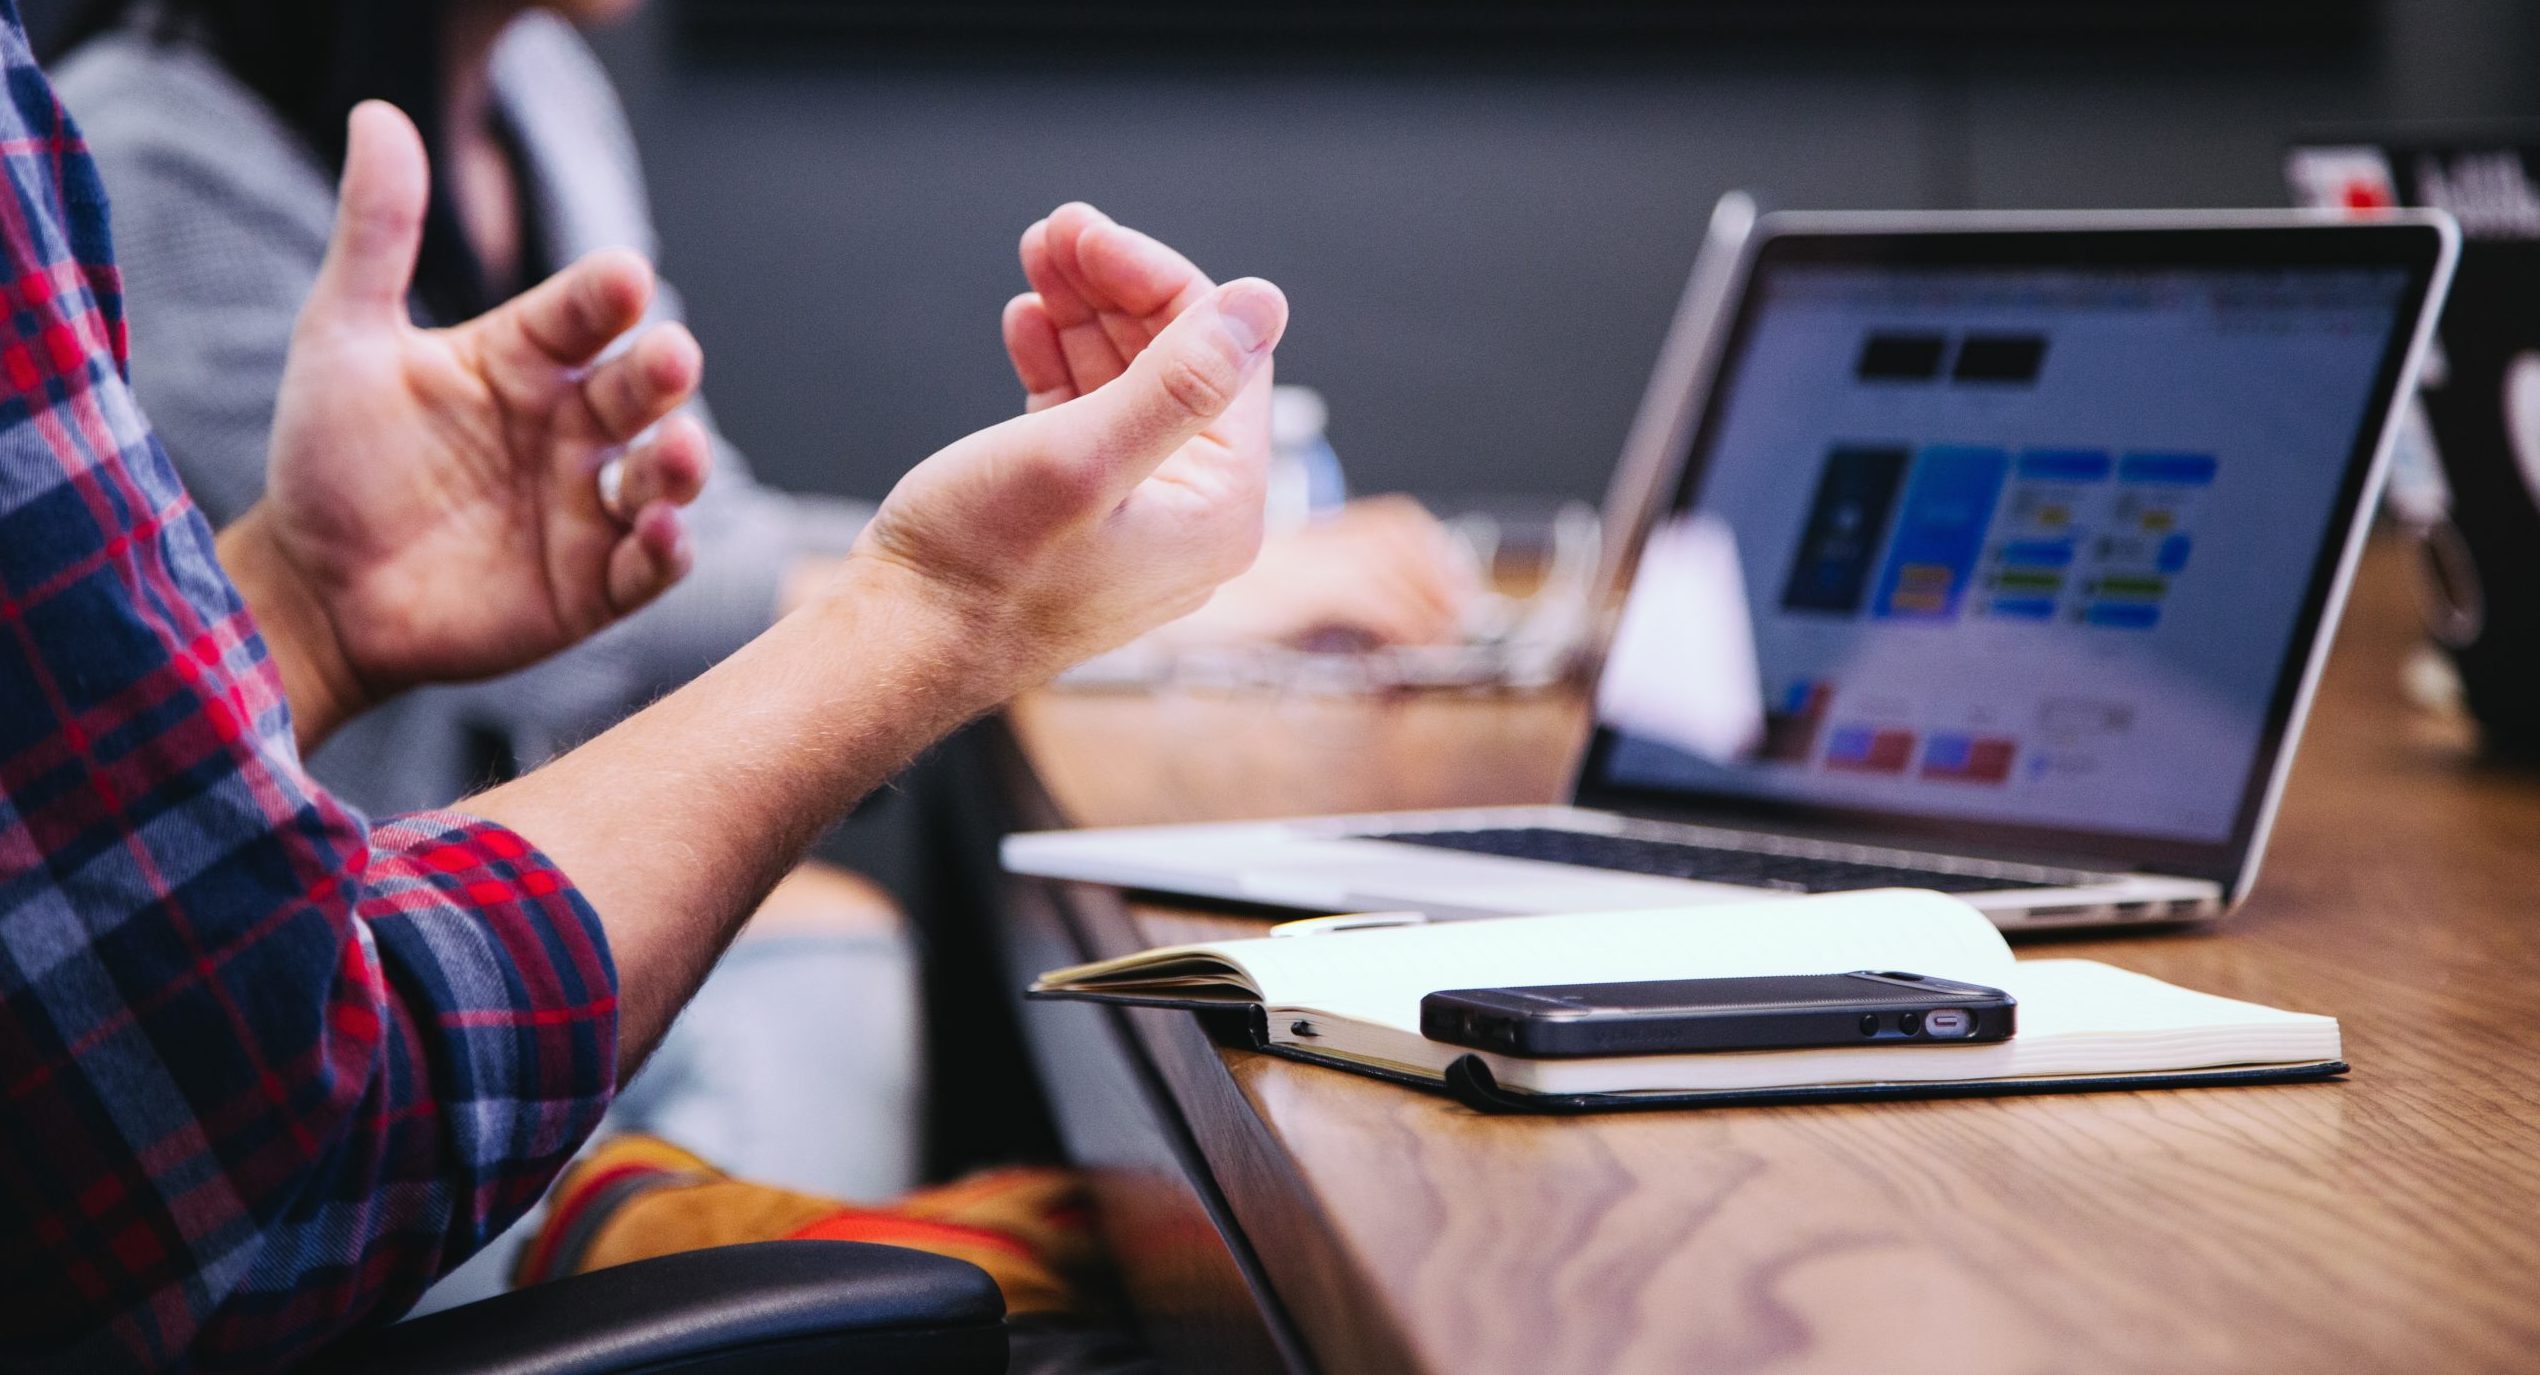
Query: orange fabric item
x: 638, y: 1196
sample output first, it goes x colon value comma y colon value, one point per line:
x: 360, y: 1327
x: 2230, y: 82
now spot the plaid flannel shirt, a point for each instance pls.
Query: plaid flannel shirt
x: 266, y: 1070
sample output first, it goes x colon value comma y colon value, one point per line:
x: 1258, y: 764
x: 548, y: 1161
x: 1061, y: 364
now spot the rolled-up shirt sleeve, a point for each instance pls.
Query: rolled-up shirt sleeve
x: 501, y: 1010
x: 463, y: 1049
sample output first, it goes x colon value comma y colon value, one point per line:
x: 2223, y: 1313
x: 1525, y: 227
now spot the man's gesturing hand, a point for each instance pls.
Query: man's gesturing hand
x: 1379, y: 571
x: 1105, y: 511
x: 1053, y: 536
x: 432, y: 512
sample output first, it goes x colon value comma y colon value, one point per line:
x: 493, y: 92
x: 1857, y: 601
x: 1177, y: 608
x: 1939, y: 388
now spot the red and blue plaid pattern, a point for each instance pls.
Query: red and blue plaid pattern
x: 265, y: 1070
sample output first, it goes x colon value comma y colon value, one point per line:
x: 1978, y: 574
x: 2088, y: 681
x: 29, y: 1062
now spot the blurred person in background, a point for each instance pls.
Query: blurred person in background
x: 219, y: 128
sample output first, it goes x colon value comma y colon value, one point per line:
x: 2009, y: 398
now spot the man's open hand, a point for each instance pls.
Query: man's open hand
x: 433, y: 511
x: 1130, y: 489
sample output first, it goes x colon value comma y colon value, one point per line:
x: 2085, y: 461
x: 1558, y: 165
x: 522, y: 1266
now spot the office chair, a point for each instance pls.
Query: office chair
x: 767, y: 1308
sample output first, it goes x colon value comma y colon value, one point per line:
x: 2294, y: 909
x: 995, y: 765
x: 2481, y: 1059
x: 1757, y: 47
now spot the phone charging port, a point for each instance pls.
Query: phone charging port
x: 1949, y: 1022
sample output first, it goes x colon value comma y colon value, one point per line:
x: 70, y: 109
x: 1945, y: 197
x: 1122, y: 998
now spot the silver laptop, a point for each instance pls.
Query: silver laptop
x: 1999, y: 555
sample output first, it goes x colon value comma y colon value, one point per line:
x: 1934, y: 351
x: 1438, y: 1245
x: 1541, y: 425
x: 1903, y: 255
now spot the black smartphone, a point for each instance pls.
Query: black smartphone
x: 1675, y: 1016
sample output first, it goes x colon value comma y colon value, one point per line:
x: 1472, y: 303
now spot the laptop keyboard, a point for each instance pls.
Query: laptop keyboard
x: 1672, y: 859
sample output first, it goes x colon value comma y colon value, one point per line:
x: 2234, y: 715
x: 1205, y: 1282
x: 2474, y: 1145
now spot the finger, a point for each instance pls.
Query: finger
x: 1408, y: 574
x: 628, y: 393
x: 1390, y: 510
x: 1031, y: 341
x: 669, y: 467
x: 1422, y: 552
x: 1398, y: 607
x: 1049, y: 257
x: 1412, y: 538
x: 1142, y: 279
x: 569, y: 318
x: 1443, y: 581
x: 1440, y: 603
x: 1193, y: 373
x: 1070, y: 226
x: 370, y: 257
x: 650, y: 559
x: 1041, y: 272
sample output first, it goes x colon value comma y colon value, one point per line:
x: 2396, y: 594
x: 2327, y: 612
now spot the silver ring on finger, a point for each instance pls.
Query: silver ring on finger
x: 612, y: 484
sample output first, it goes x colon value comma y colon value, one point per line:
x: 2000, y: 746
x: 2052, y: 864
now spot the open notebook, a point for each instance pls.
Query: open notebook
x: 1352, y: 998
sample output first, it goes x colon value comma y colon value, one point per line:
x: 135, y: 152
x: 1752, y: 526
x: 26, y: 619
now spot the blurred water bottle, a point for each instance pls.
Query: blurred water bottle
x: 1305, y: 475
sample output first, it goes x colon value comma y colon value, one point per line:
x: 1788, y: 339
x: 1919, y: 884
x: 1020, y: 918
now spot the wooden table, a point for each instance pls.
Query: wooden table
x: 1271, y: 1215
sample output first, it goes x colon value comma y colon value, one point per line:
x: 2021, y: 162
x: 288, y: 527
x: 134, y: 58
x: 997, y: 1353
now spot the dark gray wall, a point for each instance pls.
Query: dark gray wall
x: 1480, y: 265
x: 1482, y: 253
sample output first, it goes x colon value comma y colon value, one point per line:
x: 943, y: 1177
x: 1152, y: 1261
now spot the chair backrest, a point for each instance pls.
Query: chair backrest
x: 759, y: 1309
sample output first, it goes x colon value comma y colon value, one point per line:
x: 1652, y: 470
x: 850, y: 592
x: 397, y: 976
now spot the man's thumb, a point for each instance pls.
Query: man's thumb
x: 1183, y: 380
x: 370, y: 261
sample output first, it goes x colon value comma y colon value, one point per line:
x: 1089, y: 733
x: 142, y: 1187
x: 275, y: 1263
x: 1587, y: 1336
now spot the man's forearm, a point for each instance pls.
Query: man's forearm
x: 676, y: 822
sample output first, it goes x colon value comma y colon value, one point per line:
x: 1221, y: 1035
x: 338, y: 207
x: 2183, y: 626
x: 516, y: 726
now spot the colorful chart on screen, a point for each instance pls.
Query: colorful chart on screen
x: 2028, y: 545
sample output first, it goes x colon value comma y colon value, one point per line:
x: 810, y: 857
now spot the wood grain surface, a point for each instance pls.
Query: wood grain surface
x: 2387, y: 1222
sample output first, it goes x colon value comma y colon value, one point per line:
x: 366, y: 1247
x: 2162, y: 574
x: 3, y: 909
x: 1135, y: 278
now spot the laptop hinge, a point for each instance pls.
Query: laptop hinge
x: 1832, y: 832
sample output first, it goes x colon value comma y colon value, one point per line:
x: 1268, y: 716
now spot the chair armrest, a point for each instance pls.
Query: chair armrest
x: 761, y: 1308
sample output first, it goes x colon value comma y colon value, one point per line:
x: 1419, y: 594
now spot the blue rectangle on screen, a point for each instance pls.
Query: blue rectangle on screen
x: 1948, y: 752
x: 2065, y: 465
x: 2174, y: 553
x: 2125, y: 615
x: 2176, y: 470
x: 1948, y: 504
x: 2038, y: 553
x: 1850, y: 744
x: 2024, y: 608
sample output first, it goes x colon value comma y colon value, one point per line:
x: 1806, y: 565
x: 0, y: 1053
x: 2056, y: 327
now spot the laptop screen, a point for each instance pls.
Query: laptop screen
x: 2027, y: 549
